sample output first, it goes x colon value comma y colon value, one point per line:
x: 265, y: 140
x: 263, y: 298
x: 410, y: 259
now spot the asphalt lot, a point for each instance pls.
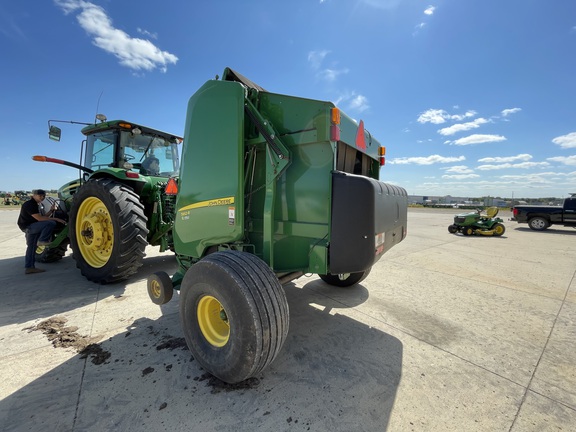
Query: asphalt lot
x: 448, y: 333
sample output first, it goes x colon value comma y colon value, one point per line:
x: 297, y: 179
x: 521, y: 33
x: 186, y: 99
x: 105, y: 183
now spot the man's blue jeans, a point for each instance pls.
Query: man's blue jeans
x: 38, y: 231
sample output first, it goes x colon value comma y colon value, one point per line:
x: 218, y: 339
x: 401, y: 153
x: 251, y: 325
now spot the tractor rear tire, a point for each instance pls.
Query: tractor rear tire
x: 234, y: 314
x: 107, y: 231
x: 45, y: 254
x: 345, y: 280
x: 160, y: 288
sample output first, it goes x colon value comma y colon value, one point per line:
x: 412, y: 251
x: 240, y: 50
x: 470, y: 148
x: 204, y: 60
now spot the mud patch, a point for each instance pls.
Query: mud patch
x: 68, y: 337
x: 219, y: 386
x: 172, y: 343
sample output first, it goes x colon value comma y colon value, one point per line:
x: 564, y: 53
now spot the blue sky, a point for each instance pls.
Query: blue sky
x: 471, y: 98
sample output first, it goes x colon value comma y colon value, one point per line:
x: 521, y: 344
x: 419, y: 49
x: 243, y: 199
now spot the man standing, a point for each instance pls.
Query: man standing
x: 38, y: 227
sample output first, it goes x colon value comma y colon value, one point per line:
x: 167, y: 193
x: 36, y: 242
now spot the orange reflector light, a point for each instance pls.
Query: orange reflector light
x: 335, y: 115
x: 125, y: 125
x: 381, y: 151
x: 382, y: 160
x: 39, y: 158
x: 171, y: 187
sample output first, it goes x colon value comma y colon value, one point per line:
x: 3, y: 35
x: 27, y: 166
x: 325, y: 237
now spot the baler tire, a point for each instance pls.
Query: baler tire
x: 351, y: 279
x: 160, y: 288
x: 107, y: 231
x: 45, y: 254
x: 234, y: 314
x: 538, y: 223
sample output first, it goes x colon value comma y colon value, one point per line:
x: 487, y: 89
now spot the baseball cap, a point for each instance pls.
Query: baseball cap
x: 38, y: 192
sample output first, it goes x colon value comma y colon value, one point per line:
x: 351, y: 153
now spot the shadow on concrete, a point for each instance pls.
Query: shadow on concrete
x: 61, y: 288
x: 333, y: 373
x: 549, y: 231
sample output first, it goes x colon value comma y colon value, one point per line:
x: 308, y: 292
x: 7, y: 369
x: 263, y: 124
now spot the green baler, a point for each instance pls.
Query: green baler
x: 271, y: 187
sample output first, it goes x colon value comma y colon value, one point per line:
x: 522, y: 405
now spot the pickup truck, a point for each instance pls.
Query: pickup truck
x: 541, y: 217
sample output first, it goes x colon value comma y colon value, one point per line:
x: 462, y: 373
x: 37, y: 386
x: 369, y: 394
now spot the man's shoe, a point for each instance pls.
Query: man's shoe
x: 43, y: 243
x: 31, y: 270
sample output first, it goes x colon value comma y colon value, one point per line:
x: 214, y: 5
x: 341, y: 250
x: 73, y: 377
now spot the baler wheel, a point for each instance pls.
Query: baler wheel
x: 160, y: 288
x: 107, y: 230
x: 234, y: 314
x: 345, y: 280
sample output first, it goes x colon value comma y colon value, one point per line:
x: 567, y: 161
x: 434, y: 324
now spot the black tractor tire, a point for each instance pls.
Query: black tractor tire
x: 347, y: 280
x: 234, y: 314
x: 452, y: 229
x: 538, y: 223
x: 107, y: 231
x: 499, y: 229
x: 45, y: 254
x: 467, y: 231
x: 160, y: 288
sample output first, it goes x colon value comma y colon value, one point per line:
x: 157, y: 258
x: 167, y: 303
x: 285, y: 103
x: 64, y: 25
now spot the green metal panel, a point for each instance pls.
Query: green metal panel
x: 302, y: 204
x: 210, y: 205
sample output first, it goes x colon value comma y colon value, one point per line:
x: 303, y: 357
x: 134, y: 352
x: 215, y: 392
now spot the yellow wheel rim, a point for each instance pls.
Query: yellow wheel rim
x: 155, y: 288
x: 94, y: 232
x: 499, y: 230
x: 213, y: 321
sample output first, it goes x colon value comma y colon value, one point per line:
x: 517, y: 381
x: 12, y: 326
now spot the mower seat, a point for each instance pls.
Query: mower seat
x: 491, y: 212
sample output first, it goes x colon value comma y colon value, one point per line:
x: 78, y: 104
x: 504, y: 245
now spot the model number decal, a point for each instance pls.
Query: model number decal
x: 208, y: 203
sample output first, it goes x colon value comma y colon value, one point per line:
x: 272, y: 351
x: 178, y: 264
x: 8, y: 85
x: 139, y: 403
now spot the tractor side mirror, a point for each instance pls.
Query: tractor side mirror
x: 54, y: 133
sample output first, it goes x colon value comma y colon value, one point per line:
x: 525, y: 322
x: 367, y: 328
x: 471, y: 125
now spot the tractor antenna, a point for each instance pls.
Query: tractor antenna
x: 98, y: 106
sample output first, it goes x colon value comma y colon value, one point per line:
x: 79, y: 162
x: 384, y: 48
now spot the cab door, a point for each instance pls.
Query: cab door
x: 570, y: 211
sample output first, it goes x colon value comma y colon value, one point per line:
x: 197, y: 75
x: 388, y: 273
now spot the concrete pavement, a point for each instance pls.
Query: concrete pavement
x: 448, y: 333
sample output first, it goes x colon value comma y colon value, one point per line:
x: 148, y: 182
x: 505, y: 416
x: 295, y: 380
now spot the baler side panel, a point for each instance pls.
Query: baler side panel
x: 210, y: 206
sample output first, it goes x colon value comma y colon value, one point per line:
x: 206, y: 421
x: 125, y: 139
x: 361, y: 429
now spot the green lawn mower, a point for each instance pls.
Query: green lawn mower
x: 477, y: 223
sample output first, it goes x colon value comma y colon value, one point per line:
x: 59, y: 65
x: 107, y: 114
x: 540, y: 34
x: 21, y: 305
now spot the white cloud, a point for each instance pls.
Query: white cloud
x: 353, y: 101
x: 566, y: 141
x: 359, y: 103
x: 147, y: 33
x: 460, y: 176
x: 331, y: 75
x: 566, y: 160
x: 509, y: 111
x: 523, y: 165
x: 459, y: 169
x: 134, y: 53
x: 461, y: 127
x: 428, y: 160
x: 439, y: 116
x: 478, y: 139
x: 430, y: 10
x: 315, y: 58
x: 498, y: 159
x: 434, y: 116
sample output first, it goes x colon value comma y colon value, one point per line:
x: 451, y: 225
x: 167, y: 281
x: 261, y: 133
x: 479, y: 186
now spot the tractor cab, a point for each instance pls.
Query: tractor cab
x: 124, y: 145
x: 118, y: 144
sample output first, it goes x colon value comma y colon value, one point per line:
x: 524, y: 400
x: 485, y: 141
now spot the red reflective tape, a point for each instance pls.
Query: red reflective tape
x: 360, y: 138
x: 334, y: 133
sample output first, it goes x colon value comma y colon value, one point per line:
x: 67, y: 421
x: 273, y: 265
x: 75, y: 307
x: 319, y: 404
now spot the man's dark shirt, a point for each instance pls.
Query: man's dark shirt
x: 26, y: 219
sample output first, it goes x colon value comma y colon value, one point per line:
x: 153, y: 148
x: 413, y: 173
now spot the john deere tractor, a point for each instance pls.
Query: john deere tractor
x: 271, y: 187
x: 118, y: 204
x: 476, y: 223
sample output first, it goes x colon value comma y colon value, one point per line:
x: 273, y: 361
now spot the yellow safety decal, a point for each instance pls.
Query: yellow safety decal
x: 209, y: 203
